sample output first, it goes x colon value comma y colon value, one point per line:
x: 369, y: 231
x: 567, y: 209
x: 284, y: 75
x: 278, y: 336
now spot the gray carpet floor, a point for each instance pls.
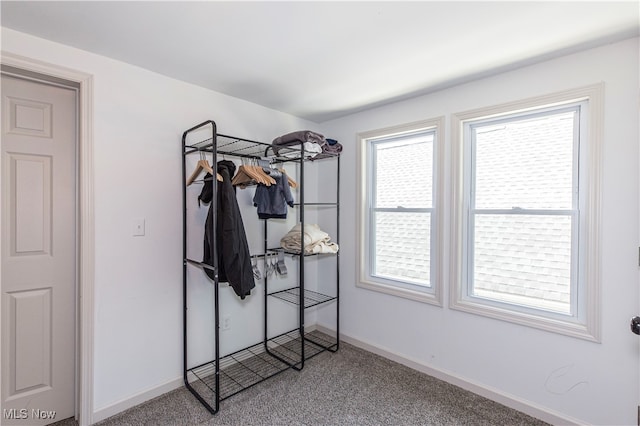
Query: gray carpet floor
x: 350, y: 387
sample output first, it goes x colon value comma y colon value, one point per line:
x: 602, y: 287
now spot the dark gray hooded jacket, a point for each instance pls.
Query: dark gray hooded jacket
x: 234, y: 259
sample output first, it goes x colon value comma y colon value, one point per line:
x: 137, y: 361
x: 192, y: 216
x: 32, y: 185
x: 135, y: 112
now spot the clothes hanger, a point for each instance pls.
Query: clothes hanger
x: 244, y: 174
x: 202, y: 165
x: 252, y: 172
x: 196, y: 172
x: 248, y: 174
x: 264, y: 177
x: 292, y: 183
x: 207, y: 167
x: 243, y: 177
x: 267, y: 168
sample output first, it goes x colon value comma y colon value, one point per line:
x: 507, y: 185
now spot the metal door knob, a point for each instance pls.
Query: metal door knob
x: 635, y: 325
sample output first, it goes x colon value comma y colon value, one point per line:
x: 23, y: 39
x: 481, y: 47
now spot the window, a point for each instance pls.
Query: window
x: 398, y: 226
x: 526, y: 212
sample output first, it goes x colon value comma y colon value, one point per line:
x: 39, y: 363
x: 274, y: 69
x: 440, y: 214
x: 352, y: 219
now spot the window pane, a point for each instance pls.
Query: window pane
x: 526, y: 163
x: 523, y: 259
x: 403, y: 247
x: 403, y: 171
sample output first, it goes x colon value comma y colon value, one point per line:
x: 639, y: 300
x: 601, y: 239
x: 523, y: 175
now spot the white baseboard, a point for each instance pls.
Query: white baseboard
x: 496, y: 395
x: 139, y: 398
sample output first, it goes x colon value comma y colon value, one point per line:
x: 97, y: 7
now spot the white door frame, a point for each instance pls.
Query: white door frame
x: 86, y: 241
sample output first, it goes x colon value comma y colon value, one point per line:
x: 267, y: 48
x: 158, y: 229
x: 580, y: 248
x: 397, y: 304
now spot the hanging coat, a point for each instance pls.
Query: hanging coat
x: 272, y: 200
x: 234, y: 260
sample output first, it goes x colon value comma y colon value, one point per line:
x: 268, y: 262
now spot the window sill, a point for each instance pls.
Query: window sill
x: 567, y: 328
x: 418, y: 296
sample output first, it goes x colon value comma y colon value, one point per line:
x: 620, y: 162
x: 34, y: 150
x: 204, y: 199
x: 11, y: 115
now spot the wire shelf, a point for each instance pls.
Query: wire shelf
x: 311, y: 298
x: 239, y: 147
x: 230, y: 145
x: 297, y: 253
x: 250, y: 366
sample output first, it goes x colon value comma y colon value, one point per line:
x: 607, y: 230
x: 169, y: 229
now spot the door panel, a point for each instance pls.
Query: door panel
x: 30, y: 335
x: 26, y: 117
x: 38, y: 269
x: 30, y: 194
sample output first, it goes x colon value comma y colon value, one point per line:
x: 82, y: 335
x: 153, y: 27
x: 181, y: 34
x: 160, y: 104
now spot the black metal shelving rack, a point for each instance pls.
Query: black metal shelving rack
x: 225, y: 376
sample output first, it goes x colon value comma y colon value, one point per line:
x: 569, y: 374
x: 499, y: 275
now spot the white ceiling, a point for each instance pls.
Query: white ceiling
x: 322, y: 60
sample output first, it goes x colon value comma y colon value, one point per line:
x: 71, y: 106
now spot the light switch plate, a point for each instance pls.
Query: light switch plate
x: 137, y: 228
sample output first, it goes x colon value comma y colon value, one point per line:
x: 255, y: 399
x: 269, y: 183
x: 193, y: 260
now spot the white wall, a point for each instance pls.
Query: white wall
x: 139, y: 117
x: 563, y: 379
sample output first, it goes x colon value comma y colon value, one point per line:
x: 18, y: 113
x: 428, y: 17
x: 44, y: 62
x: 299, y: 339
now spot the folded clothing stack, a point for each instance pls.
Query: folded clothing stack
x: 312, y: 143
x: 331, y: 149
x: 315, y: 240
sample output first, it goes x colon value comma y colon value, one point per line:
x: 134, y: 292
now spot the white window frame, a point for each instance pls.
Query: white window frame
x: 584, y: 319
x: 432, y: 294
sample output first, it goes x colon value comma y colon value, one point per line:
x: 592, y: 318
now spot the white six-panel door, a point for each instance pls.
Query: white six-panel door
x: 38, y: 275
